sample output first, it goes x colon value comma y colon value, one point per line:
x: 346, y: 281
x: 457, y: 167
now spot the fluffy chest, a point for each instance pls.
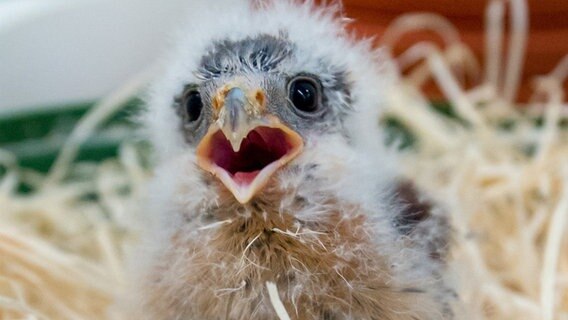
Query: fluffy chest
x: 321, y: 267
x: 266, y: 246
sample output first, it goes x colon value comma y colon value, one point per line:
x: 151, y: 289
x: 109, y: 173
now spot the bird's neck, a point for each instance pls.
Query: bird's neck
x: 271, y: 237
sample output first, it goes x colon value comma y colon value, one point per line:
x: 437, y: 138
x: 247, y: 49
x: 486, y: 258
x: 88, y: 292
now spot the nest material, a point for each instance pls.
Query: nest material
x: 61, y: 251
x: 501, y: 171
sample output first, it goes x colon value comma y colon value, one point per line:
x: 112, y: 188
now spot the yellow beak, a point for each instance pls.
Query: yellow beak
x: 244, y: 147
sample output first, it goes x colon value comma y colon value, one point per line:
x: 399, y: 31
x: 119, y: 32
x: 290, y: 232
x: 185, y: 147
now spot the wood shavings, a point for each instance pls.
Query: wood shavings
x: 553, y: 248
x: 276, y: 302
x: 61, y: 255
x: 505, y: 187
x: 62, y: 251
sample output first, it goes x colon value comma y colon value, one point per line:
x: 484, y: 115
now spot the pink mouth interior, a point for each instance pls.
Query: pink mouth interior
x: 261, y: 147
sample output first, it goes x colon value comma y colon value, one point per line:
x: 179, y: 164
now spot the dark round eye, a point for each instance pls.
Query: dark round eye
x: 304, y: 94
x: 193, y: 105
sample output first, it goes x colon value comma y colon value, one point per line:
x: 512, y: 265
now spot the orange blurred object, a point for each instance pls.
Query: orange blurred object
x: 547, y: 40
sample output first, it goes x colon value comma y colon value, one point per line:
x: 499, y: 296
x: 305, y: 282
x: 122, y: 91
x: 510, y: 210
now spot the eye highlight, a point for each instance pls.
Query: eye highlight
x: 192, y: 104
x: 304, y: 93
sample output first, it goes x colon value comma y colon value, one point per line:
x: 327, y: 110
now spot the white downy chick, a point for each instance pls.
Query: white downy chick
x: 271, y: 168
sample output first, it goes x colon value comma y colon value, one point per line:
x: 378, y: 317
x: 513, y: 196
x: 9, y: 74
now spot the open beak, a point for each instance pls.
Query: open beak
x: 244, y: 147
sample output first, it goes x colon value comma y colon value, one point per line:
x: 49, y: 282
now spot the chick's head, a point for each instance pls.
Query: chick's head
x: 264, y: 99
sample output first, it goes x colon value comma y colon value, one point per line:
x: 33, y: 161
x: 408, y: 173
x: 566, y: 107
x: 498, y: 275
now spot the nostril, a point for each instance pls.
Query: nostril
x: 260, y: 98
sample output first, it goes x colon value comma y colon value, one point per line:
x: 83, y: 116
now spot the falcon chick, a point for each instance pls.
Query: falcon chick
x: 271, y: 168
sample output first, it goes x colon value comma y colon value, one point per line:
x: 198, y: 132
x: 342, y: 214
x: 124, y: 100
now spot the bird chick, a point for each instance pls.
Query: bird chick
x: 271, y: 168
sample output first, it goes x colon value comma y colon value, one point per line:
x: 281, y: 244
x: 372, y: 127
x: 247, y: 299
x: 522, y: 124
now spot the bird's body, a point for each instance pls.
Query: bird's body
x: 272, y: 170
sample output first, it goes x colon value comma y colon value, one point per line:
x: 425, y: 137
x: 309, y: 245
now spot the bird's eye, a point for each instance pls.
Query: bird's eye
x: 192, y: 105
x: 304, y: 94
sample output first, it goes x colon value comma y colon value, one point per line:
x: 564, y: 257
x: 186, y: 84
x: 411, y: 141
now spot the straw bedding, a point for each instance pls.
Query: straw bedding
x: 500, y: 168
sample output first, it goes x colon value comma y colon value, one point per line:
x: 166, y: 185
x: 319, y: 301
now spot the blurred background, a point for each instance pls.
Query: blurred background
x: 548, y: 24
x: 60, y: 51
x: 59, y: 57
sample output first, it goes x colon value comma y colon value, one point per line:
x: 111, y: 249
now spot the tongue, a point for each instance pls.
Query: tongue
x: 245, y: 178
